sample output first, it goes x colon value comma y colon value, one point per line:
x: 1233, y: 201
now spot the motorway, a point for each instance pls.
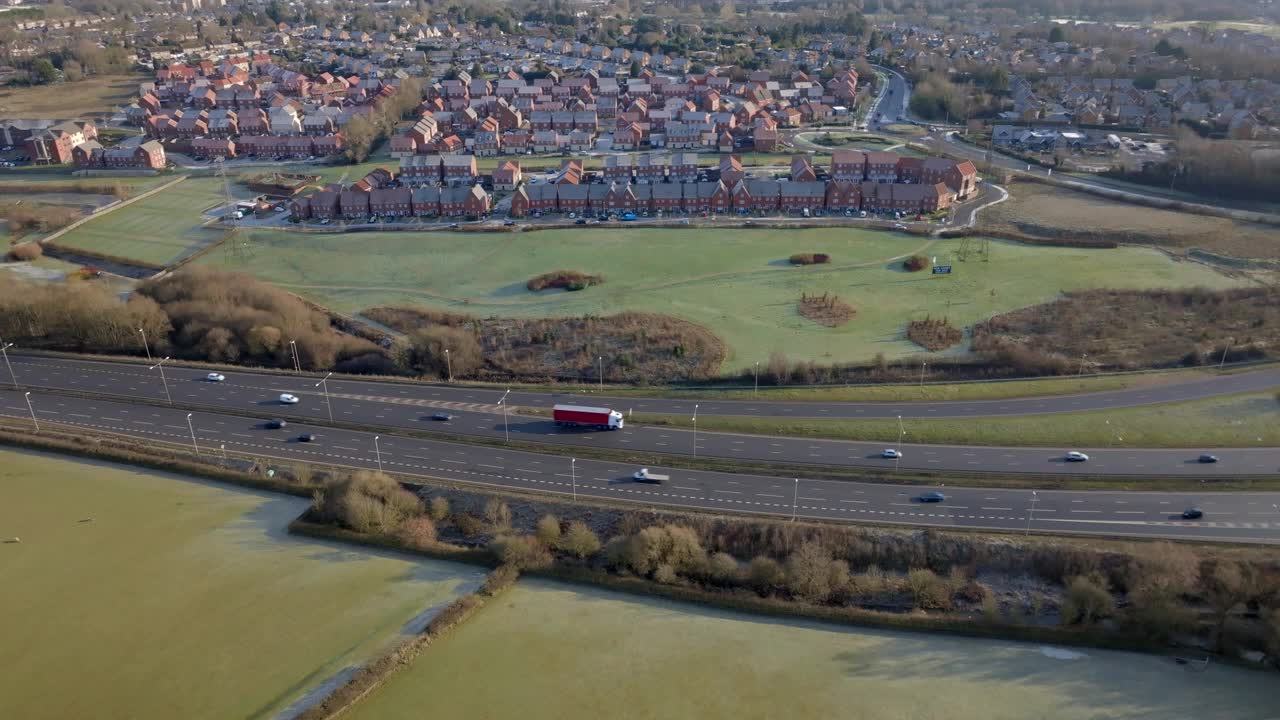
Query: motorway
x: 476, y: 412
x: 1237, y: 517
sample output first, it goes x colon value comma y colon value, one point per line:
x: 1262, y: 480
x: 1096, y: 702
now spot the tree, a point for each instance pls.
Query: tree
x: 1057, y: 34
x: 547, y: 530
x: 520, y: 551
x: 43, y: 72
x: 813, y: 575
x: 72, y: 71
x: 497, y: 514
x: 360, y: 135
x: 579, y: 541
x: 439, y: 508
x: 417, y: 532
x: 635, y: 68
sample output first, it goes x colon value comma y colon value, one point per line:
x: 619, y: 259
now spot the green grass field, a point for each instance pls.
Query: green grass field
x: 158, y: 229
x: 1250, y: 420
x: 736, y: 282
x: 546, y: 650
x: 181, y: 599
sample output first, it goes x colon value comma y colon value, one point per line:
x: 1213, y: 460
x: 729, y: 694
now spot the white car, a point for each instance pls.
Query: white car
x: 891, y: 454
x: 288, y: 399
x: 1074, y: 456
x: 215, y: 377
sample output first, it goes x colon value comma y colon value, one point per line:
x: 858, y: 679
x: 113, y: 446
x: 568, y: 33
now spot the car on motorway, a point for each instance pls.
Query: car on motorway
x: 931, y: 497
x: 215, y: 377
x: 276, y: 424
x: 287, y: 399
x: 890, y: 454
x: 442, y: 417
x: 1192, y: 513
x: 643, y: 475
x: 1207, y: 458
x: 306, y: 437
x: 1075, y: 456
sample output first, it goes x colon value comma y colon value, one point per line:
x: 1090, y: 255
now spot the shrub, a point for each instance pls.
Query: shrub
x: 722, y: 568
x: 1086, y: 602
x: 916, y: 263
x: 809, y: 259
x: 25, y: 252
x: 426, y: 353
x: 579, y: 541
x: 438, y: 508
x: 497, y: 514
x: 867, y: 584
x: 671, y: 545
x: 417, y: 532
x: 813, y: 575
x: 520, y: 551
x: 934, y: 335
x: 501, y: 577
x: 368, y: 502
x: 571, y: 280
x: 547, y: 530
x: 765, y: 574
x: 929, y: 591
x: 665, y: 574
x: 469, y: 525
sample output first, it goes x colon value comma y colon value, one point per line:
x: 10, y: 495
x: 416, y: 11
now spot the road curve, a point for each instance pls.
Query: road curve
x: 1229, y: 517
x: 395, y: 406
x: 90, y: 375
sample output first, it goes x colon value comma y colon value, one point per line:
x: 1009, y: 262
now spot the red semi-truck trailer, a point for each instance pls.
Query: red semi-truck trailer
x: 594, y: 417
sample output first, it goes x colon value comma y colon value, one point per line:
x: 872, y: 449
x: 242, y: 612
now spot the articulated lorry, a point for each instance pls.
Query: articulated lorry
x: 592, y: 417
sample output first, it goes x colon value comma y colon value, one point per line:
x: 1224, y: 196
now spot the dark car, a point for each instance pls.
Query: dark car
x: 306, y: 437
x: 1207, y: 458
x: 1192, y: 513
x: 932, y: 497
x: 276, y: 424
x: 580, y: 221
x: 442, y: 417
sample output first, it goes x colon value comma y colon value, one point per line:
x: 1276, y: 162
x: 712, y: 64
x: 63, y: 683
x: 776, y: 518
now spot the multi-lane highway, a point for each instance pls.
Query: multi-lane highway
x: 405, y: 406
x: 1243, y: 517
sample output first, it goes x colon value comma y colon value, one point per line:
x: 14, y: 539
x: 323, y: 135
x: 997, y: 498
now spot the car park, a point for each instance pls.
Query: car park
x: 442, y: 417
x: 931, y: 497
x: 1075, y: 456
x: 215, y: 377
x: 1207, y: 458
x: 287, y: 399
x: 891, y: 454
x: 1192, y: 513
x: 276, y: 424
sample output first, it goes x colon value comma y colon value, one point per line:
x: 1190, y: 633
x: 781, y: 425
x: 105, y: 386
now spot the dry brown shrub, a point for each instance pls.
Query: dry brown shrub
x: 579, y: 541
x: 570, y: 280
x: 25, y: 251
x: 934, y: 334
x: 417, y: 532
x: 826, y: 309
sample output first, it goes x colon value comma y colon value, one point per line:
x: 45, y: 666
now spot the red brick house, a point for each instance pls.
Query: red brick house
x: 848, y: 165
x: 353, y: 204
x: 802, y: 169
x: 391, y: 202
x: 325, y: 205
x: 765, y: 139
x: 507, y: 175
x: 740, y: 197
x: 844, y: 195
x: 572, y: 197
x: 668, y: 197
x: 797, y: 196
x: 882, y: 166
x: 909, y: 169
x: 213, y: 148
x: 426, y: 201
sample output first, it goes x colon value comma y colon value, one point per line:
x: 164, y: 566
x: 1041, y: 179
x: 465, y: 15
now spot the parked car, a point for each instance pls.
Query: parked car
x: 276, y: 424
x: 1075, y: 456
x: 508, y: 223
x: 931, y: 497
x: 442, y: 417
x: 1192, y: 513
x: 891, y: 454
x: 287, y: 399
x: 215, y: 377
x: 580, y: 221
x: 1207, y: 458
x: 628, y: 216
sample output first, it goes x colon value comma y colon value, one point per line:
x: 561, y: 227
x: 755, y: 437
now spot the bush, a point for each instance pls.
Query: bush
x: 765, y: 574
x: 929, y: 591
x: 916, y: 263
x: 25, y: 252
x: 501, y: 577
x: 547, y: 530
x: 571, y: 280
x: 665, y: 574
x: 438, y: 508
x: 497, y: 514
x: 722, y: 568
x: 417, y: 532
x: 520, y: 551
x: 469, y: 525
x: 579, y: 541
x: 813, y: 575
x: 645, y: 551
x: 1086, y: 602
x: 809, y: 259
x: 368, y: 502
x: 427, y: 351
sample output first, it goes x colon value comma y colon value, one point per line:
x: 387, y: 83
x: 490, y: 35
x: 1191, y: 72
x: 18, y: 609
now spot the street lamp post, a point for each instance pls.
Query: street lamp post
x: 324, y: 382
x: 1223, y: 361
x: 573, y: 473
x: 695, y: 430
x: 163, y: 380
x: 4, y: 350
x: 795, y: 501
x: 448, y: 363
x: 506, y: 424
x: 293, y: 350
x: 922, y: 367
x: 34, y: 421
x: 901, y: 433
x: 1031, y: 512
x: 1081, y: 370
x: 145, y: 345
x: 192, y: 428
x: 756, y: 391
x: 600, y: 359
x: 223, y: 447
x: 377, y: 451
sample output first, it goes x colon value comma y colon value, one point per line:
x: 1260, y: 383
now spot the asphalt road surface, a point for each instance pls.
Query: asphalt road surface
x: 1240, y: 517
x: 475, y: 412
x: 98, y: 376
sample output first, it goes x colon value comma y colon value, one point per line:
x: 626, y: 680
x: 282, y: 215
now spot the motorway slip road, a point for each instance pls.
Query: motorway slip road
x: 1237, y: 517
x: 77, y: 374
x: 411, y: 407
